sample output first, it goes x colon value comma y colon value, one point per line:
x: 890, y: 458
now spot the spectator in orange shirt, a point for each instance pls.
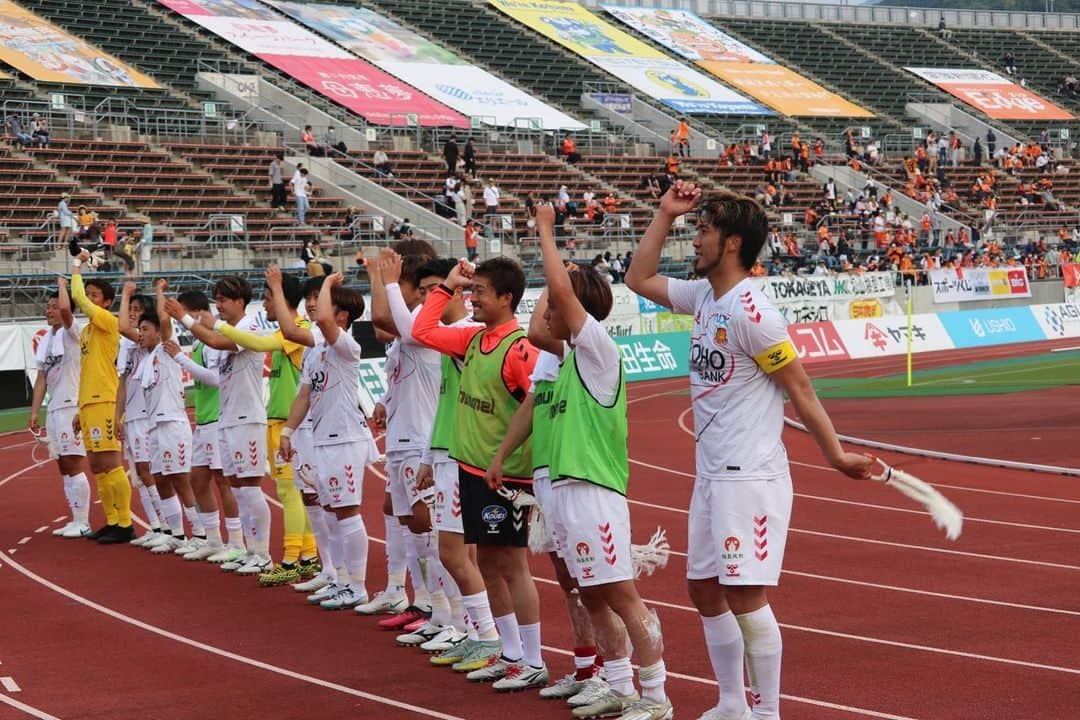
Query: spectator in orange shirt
x: 611, y: 204
x: 470, y: 240
x: 569, y: 150
x: 673, y: 165
x: 682, y: 137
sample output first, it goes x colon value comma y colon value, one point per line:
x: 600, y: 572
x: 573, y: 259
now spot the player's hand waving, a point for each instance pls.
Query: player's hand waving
x: 681, y: 198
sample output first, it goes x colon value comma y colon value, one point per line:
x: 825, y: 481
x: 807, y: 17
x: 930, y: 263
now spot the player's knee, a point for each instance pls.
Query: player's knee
x: 707, y: 596
x: 387, y: 505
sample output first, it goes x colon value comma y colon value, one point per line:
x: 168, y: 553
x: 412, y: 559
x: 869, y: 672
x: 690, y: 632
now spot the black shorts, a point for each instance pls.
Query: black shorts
x: 488, y: 518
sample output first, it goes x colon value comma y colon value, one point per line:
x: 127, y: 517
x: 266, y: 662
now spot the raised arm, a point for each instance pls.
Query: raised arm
x: 63, y: 302
x: 539, y: 335
x: 204, y: 375
x: 324, y: 313
x: 250, y: 340
x: 124, y: 316
x: 164, y: 319
x: 643, y: 277
x: 560, y: 291
x: 285, y: 319
x: 198, y: 327
x: 98, y: 316
x: 427, y: 330
x: 381, y: 316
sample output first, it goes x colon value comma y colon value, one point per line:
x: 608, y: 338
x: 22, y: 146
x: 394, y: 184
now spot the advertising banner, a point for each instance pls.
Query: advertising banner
x: 992, y: 94
x: 736, y: 63
x: 623, y: 320
x: 440, y: 73
x: 1060, y: 320
x: 1070, y: 273
x: 47, y: 53
x: 879, y: 337
x: 967, y: 284
x: 975, y: 328
x: 817, y: 342
x: 329, y: 70
x: 655, y: 356
x: 813, y: 299
x: 632, y: 61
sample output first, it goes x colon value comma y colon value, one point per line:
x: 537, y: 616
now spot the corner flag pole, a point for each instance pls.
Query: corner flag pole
x: 907, y: 290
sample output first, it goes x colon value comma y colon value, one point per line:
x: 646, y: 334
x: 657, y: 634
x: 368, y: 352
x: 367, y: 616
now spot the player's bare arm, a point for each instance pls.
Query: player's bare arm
x: 285, y: 319
x: 643, y: 277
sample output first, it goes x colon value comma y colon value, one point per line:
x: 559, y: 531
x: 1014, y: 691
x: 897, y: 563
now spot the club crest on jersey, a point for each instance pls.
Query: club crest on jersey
x: 95, y: 434
x: 732, y: 543
x: 720, y: 334
x: 493, y: 515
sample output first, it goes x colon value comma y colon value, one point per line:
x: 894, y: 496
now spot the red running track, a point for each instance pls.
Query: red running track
x: 882, y: 618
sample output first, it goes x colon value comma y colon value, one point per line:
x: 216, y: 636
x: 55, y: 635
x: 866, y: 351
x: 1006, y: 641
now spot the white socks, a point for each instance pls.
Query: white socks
x: 235, y: 529
x: 652, y: 679
x: 479, y: 609
x: 724, y: 641
x: 192, y: 515
x: 148, y: 506
x: 77, y: 492
x: 395, y: 555
x: 530, y: 644
x: 620, y: 675
x: 174, y: 515
x: 510, y: 634
x: 764, y: 648
x: 211, y: 523
x: 322, y: 539
x: 354, y: 539
x: 253, y: 505
x: 337, y: 548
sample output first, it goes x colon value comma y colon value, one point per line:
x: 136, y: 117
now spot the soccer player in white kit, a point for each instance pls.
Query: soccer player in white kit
x: 242, y: 427
x: 58, y: 358
x: 343, y: 445
x: 742, y: 361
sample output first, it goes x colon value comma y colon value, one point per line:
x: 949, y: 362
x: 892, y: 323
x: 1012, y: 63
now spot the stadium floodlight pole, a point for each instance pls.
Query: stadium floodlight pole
x: 907, y: 291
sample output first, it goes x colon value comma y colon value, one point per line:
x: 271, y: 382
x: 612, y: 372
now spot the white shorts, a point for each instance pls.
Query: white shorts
x: 243, y: 450
x: 207, y: 446
x: 593, y: 525
x: 170, y: 448
x: 542, y: 491
x: 339, y: 472
x: 447, y: 494
x: 137, y: 440
x: 303, y: 462
x: 401, y: 470
x: 738, y: 530
x: 68, y: 223
x: 62, y: 438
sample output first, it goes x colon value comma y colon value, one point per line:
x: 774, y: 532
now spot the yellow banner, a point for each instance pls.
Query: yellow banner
x: 784, y: 90
x: 45, y: 52
x: 575, y: 28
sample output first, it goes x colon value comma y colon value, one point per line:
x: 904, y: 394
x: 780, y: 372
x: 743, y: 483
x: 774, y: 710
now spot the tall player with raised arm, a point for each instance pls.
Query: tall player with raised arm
x: 58, y: 361
x: 98, y: 381
x: 742, y: 361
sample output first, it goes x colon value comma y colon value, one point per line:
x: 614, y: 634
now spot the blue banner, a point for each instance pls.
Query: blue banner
x: 976, y: 328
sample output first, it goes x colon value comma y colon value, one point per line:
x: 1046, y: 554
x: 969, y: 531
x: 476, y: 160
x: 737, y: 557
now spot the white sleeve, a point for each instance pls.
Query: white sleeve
x: 403, y: 317
x: 546, y: 368
x: 764, y: 337
x: 683, y: 295
x: 206, y: 376
x: 599, y: 361
x: 345, y: 346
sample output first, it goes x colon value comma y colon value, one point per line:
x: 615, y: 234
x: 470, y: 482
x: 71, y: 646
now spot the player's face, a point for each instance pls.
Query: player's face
x: 94, y: 294
x: 410, y: 293
x: 427, y: 284
x: 556, y: 324
x: 268, y: 305
x: 135, y: 311
x: 149, y: 336
x: 708, y: 248
x: 485, y: 301
x: 52, y: 312
x: 229, y: 309
x: 311, y: 303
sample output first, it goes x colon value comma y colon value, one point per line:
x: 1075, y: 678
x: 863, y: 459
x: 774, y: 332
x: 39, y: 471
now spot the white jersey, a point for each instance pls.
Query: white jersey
x: 331, y: 372
x: 413, y: 378
x: 317, y: 335
x: 163, y: 387
x: 127, y: 361
x: 738, y: 340
x: 242, y: 384
x: 59, y: 356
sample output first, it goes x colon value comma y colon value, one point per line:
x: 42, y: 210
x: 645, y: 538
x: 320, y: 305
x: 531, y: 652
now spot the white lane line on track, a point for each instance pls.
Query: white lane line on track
x: 831, y: 633
x: 30, y: 575
x: 62, y: 518
x: 42, y: 529
x: 28, y: 709
x: 24, y: 540
x: 9, y: 684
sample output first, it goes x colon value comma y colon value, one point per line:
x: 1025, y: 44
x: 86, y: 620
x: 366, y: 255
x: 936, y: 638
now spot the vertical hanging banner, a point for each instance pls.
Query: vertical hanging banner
x: 627, y: 58
x: 992, y: 94
x: 317, y: 63
x: 45, y: 52
x: 736, y: 63
x: 423, y: 64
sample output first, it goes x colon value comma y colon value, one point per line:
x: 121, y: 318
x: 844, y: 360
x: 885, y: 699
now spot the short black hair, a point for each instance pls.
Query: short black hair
x: 312, y: 286
x: 54, y: 295
x: 439, y: 267
x: 151, y: 318
x: 148, y: 302
x: 106, y: 288
x: 349, y: 300
x: 505, y: 276
x: 413, y: 246
x: 740, y: 215
x: 233, y: 287
x: 292, y: 290
x: 194, y: 300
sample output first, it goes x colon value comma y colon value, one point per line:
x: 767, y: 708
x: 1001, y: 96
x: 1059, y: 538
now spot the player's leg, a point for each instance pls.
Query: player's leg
x: 71, y: 462
x: 137, y: 453
x: 91, y: 436
x: 342, y: 467
x: 294, y: 518
x: 202, y: 486
x: 250, y: 441
x: 107, y: 464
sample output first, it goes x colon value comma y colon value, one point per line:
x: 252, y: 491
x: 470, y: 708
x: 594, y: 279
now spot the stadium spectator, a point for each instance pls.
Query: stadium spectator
x: 491, y: 198
x: 673, y: 165
x: 277, y: 182
x: 943, y: 32
x: 450, y: 155
x: 569, y: 150
x: 87, y: 220
x: 977, y: 152
x: 314, y: 149
x: 301, y: 189
x: 146, y: 245
x: 332, y: 143
x: 39, y: 130
x: 15, y: 130
x: 469, y: 158
x: 611, y: 204
x: 1009, y: 62
x: 66, y: 219
x: 383, y: 168
x: 471, y: 241
x: 530, y: 209
x: 125, y: 250
x: 1068, y: 85
x: 457, y: 195
x: 682, y: 137
x: 766, y: 145
x: 314, y: 260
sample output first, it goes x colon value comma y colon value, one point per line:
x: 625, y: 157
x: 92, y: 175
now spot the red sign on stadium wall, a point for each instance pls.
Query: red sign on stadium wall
x: 817, y: 342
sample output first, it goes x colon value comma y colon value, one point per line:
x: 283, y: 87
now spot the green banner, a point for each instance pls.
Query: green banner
x: 655, y: 356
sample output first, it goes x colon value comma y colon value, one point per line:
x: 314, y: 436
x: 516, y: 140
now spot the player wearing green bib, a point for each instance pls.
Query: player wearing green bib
x: 496, y: 360
x: 205, y: 459
x: 589, y: 473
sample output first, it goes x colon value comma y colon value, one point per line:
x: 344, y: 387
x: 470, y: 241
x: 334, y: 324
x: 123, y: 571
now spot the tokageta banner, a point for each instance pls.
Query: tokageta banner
x: 45, y: 52
x: 329, y: 70
x: 992, y: 94
x: 736, y: 63
x: 629, y: 59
